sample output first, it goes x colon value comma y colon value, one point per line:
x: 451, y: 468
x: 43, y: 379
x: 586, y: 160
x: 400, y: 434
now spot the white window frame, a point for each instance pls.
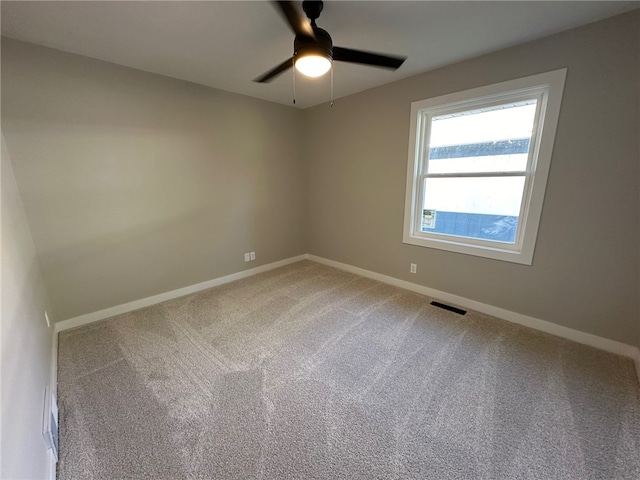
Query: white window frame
x: 547, y: 88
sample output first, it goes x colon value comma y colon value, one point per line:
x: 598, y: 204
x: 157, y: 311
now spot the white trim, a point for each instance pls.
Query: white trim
x: 547, y: 88
x: 54, y: 391
x: 52, y: 465
x: 162, y: 297
x: 54, y: 361
x: 595, y: 341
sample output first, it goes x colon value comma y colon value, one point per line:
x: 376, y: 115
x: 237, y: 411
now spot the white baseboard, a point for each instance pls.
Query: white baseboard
x: 601, y: 343
x: 162, y: 297
x: 52, y: 465
x: 54, y: 361
x: 595, y: 341
x: 54, y: 391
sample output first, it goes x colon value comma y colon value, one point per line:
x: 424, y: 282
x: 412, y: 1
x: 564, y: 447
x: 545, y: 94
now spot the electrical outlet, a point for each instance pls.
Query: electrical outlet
x: 46, y: 318
x: 247, y: 257
x: 253, y: 255
x: 413, y: 268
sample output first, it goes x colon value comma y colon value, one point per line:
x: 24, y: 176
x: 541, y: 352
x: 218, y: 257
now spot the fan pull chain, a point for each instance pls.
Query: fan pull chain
x: 293, y: 70
x: 332, y: 86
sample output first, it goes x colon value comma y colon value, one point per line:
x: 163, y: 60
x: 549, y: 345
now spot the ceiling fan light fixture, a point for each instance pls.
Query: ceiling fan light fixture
x: 313, y: 65
x: 313, y: 50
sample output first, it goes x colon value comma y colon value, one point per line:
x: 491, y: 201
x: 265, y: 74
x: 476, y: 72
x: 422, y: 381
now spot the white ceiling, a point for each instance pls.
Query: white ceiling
x: 227, y: 44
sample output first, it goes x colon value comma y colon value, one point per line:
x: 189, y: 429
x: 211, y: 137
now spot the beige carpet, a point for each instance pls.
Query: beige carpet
x: 307, y: 372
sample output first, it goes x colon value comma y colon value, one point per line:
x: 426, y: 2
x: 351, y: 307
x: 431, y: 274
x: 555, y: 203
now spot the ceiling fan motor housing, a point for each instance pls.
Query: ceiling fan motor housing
x: 321, y: 45
x: 312, y: 9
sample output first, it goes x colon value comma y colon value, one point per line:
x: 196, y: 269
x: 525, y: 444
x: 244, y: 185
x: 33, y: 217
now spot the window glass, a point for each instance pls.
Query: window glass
x: 492, y: 139
x: 478, y: 207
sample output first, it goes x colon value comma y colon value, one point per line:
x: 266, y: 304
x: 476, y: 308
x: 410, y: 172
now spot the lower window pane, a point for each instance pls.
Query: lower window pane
x: 485, y: 208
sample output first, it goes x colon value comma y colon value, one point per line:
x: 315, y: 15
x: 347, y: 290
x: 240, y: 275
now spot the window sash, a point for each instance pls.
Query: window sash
x: 426, y: 116
x: 424, y: 122
x: 448, y: 238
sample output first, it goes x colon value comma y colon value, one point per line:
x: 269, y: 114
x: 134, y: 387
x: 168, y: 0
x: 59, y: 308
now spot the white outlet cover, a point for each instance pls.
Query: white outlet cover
x: 247, y: 257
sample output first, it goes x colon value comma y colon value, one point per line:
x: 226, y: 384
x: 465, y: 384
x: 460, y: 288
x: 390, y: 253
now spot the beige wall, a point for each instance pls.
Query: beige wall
x: 26, y: 342
x: 585, y: 269
x: 137, y: 184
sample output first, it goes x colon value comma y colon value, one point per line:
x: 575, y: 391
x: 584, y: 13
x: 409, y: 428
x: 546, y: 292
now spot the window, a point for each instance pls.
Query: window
x: 478, y: 167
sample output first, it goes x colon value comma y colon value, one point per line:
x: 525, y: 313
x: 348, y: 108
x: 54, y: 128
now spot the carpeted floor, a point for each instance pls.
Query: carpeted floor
x: 307, y: 372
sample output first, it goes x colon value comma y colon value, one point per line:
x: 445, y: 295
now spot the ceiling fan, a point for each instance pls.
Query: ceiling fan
x: 313, y: 49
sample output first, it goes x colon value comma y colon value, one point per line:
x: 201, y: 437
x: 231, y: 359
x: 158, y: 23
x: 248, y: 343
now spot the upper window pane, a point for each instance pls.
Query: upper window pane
x: 490, y: 139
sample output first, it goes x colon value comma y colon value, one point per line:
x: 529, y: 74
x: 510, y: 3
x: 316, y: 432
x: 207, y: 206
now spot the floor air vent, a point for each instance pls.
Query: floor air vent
x: 449, y: 307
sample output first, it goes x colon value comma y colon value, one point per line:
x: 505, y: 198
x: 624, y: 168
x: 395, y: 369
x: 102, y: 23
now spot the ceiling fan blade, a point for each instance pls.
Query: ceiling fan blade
x: 298, y: 23
x: 367, y: 58
x: 274, y: 72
